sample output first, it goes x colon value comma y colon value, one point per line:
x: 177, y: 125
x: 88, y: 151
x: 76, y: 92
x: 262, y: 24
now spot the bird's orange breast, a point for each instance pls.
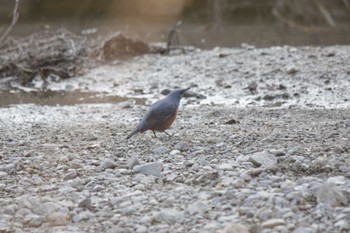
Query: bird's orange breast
x: 168, y: 122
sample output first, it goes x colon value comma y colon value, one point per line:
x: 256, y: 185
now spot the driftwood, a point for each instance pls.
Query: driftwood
x: 60, y: 53
x: 15, y: 16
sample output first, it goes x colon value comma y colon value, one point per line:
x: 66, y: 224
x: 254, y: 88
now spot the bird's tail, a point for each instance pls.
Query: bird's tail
x: 135, y: 131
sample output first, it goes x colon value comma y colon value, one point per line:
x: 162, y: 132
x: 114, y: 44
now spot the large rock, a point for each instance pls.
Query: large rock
x: 169, y: 216
x: 271, y: 223
x: 331, y: 194
x: 263, y: 159
x: 154, y: 168
x: 235, y: 228
x: 58, y: 219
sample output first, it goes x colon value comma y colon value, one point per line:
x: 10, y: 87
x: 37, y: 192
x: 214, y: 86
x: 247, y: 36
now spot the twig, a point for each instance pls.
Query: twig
x: 171, y: 36
x: 325, y: 13
x: 13, y: 23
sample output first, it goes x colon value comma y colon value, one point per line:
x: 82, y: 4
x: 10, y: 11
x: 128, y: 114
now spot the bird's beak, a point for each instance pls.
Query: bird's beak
x: 184, y: 90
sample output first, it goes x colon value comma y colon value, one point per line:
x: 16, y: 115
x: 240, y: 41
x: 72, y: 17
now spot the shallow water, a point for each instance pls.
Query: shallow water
x: 60, y: 98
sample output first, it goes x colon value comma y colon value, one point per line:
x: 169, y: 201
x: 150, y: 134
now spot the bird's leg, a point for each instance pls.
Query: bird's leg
x: 167, y: 133
x: 154, y: 133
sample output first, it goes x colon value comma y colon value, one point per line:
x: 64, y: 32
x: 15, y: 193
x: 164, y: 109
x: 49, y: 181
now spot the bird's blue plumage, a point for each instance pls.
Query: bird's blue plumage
x: 160, y: 114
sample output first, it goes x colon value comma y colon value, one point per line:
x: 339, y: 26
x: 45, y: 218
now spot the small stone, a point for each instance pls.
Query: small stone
x: 58, y: 219
x: 263, y: 159
x: 330, y: 194
x: 85, y: 215
x: 235, y: 228
x: 85, y: 203
x: 169, y: 216
x: 224, y: 167
x: 303, y: 230
x: 277, y: 152
x: 252, y: 86
x: 342, y: 225
x: 3, y: 174
x: 91, y: 137
x: 2, y: 187
x: 291, y: 69
x: 271, y: 223
x: 197, y: 208
x: 160, y: 150
x: 182, y: 146
x: 34, y: 220
x: 98, y: 188
x: 339, y: 180
x: 141, y: 229
x: 133, y: 161
x: 108, y: 164
x: 70, y: 175
x: 153, y: 168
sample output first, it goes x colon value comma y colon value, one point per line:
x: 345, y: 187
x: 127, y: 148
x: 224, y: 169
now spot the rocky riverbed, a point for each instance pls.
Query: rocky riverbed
x: 261, y: 144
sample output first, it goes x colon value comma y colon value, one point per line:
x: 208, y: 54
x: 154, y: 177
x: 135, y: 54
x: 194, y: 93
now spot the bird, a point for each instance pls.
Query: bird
x: 161, y: 114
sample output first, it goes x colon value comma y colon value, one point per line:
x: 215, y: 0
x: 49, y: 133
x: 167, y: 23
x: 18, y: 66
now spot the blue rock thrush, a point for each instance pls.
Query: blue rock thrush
x: 161, y: 114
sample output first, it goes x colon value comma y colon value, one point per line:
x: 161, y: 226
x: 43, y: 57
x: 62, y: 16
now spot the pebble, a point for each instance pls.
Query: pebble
x: 3, y: 174
x: 339, y: 180
x: 197, y: 208
x: 108, y: 164
x: 235, y: 228
x: 291, y: 69
x: 263, y: 159
x: 271, y: 223
x: 2, y: 187
x: 224, y: 167
x: 303, y: 230
x: 161, y: 150
x: 133, y: 161
x: 182, y: 146
x: 58, y: 219
x: 153, y: 168
x: 34, y: 220
x: 70, y: 175
x: 343, y: 225
x: 85, y: 203
x: 330, y: 194
x: 170, y: 216
x: 98, y: 188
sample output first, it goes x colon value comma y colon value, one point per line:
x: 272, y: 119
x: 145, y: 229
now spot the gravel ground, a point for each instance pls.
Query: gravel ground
x: 261, y: 144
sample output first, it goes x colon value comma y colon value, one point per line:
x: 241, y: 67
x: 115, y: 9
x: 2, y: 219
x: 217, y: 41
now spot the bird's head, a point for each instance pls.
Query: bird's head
x: 178, y: 93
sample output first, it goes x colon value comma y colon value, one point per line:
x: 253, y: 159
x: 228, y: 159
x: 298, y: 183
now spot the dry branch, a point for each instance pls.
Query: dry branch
x: 13, y: 23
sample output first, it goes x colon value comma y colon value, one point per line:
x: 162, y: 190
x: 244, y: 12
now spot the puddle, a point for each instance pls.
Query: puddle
x: 54, y: 98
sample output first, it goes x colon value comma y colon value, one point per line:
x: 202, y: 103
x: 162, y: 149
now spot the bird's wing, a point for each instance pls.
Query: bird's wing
x: 159, y: 113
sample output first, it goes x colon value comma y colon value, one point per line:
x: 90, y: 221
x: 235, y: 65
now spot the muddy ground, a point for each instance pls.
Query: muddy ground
x: 260, y: 144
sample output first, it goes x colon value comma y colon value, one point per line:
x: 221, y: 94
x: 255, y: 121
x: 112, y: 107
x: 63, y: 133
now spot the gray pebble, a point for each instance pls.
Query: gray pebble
x: 263, y: 159
x: 98, y: 188
x: 35, y: 220
x: 70, y: 175
x: 303, y: 230
x: 332, y: 195
x: 161, y: 150
x: 197, y: 208
x: 169, y: 216
x: 224, y: 167
x: 133, y: 161
x: 153, y: 168
x: 108, y: 164
x: 85, y: 203
x: 271, y: 223
x: 58, y: 219
x: 182, y: 146
x: 3, y: 174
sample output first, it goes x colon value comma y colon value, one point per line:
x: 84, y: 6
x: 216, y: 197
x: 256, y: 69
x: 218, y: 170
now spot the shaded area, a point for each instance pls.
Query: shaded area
x: 205, y: 24
x: 54, y: 98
